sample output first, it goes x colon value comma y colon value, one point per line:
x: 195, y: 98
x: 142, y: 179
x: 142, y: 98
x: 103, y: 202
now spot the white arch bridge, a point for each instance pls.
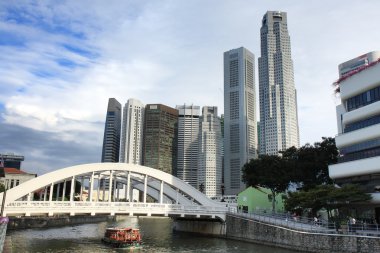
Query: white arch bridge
x: 106, y: 188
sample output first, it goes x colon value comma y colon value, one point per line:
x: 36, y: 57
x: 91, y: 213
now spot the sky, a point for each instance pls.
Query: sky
x: 60, y: 61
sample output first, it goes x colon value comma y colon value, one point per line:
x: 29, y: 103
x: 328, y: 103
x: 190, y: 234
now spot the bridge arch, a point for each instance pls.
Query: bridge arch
x: 161, y: 186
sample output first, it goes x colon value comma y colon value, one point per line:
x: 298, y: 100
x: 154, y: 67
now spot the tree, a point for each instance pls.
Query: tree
x: 326, y: 196
x: 268, y: 171
x: 308, y: 165
x: 201, y: 187
x: 2, y: 187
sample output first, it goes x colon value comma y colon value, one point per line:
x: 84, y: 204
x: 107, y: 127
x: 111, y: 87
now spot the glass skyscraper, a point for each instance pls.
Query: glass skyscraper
x: 160, y: 143
x: 111, y: 139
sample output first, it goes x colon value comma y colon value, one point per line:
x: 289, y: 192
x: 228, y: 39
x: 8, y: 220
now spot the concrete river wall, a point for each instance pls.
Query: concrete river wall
x: 254, y: 231
x: 55, y: 221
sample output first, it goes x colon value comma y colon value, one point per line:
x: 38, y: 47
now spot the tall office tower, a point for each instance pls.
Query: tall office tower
x: 358, y: 118
x: 188, y: 143
x: 210, y: 152
x: 278, y: 97
x: 132, y: 132
x: 111, y: 139
x: 160, y: 142
x: 240, y: 139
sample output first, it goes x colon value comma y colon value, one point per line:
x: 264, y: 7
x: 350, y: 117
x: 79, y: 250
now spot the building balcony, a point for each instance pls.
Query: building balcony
x: 359, y: 155
x: 357, y: 136
x: 355, y: 168
x: 362, y: 113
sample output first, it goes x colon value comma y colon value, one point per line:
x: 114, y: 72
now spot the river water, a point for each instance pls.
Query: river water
x: 156, y: 233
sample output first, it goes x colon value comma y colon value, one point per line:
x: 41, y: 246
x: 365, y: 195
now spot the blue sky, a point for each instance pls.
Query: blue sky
x: 61, y: 61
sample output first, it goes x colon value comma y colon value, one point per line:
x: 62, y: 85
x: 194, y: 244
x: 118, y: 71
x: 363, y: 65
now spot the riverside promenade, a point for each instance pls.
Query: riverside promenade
x: 298, y: 235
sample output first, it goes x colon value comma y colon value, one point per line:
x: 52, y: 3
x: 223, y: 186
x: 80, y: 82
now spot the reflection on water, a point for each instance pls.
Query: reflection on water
x: 156, y: 233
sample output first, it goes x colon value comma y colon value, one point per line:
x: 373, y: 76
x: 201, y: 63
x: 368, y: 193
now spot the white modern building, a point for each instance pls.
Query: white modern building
x: 240, y: 133
x: 358, y: 118
x: 188, y: 144
x: 210, y: 152
x: 132, y: 132
x: 278, y: 97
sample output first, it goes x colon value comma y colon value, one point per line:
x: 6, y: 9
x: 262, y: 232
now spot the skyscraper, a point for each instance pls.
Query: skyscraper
x: 210, y: 152
x: 240, y: 139
x: 160, y: 143
x: 188, y: 143
x: 132, y: 132
x: 111, y: 139
x: 278, y: 97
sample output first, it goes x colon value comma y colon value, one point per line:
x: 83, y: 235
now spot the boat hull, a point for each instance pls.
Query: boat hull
x: 121, y: 244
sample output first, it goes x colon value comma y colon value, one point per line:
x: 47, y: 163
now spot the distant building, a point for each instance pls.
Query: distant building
x: 11, y: 160
x: 240, y: 140
x: 188, y: 144
x: 111, y: 139
x: 160, y: 132
x: 13, y: 177
x: 278, y: 96
x: 210, y: 153
x: 132, y: 132
x: 358, y: 118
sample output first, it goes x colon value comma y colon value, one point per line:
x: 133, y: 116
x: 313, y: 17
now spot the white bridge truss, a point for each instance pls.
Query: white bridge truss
x: 106, y: 188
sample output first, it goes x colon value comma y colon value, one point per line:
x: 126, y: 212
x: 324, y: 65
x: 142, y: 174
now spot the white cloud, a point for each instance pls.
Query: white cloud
x: 168, y: 52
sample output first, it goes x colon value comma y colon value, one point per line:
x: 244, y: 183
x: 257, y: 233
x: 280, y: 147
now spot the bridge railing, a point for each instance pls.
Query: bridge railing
x: 56, y: 206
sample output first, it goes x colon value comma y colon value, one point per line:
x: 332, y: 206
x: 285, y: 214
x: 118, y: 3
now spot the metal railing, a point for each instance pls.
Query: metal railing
x: 289, y: 221
x: 305, y: 224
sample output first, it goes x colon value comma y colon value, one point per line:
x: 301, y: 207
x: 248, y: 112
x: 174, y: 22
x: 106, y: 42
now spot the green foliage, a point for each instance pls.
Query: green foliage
x: 2, y: 188
x: 308, y: 165
x: 201, y: 187
x: 325, y: 196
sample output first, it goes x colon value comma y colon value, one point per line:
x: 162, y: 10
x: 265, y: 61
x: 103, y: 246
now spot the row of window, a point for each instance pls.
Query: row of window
x: 362, y: 124
x: 360, y: 146
x: 363, y: 99
x: 359, y: 155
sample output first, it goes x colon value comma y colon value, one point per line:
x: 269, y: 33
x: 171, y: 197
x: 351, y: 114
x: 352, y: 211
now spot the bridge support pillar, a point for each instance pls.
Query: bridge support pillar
x: 145, y: 187
x: 72, y: 189
x: 110, y: 187
x: 162, y: 192
x: 205, y: 227
x: 64, y: 191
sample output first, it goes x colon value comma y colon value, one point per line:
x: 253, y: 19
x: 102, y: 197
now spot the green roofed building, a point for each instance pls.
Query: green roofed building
x: 258, y: 198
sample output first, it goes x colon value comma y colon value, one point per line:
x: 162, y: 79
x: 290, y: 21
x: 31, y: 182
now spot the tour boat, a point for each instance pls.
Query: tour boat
x: 122, y: 237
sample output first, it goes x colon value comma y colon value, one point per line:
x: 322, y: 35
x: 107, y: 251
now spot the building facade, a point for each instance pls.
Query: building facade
x: 278, y: 97
x: 13, y: 177
x: 358, y: 118
x: 11, y: 160
x: 132, y: 132
x: 210, y: 152
x: 188, y: 144
x: 240, y: 139
x: 111, y: 139
x: 160, y: 143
